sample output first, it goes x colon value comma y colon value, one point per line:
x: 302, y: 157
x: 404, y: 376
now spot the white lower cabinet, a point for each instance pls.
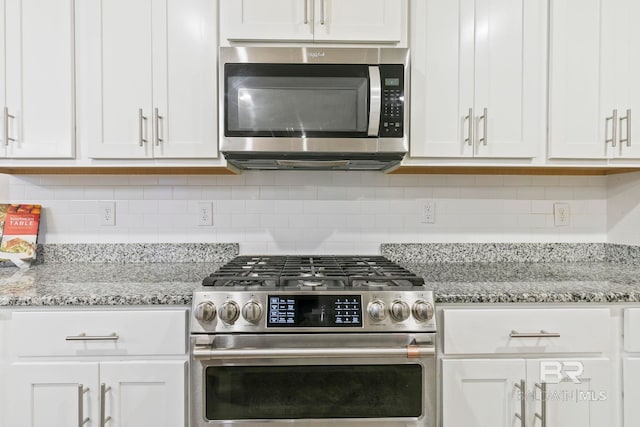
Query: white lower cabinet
x: 143, y: 394
x: 486, y: 392
x: 529, y: 367
x: 114, y: 368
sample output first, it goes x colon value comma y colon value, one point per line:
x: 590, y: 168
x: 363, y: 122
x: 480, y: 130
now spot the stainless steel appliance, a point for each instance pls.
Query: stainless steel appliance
x: 313, y: 341
x: 314, y: 108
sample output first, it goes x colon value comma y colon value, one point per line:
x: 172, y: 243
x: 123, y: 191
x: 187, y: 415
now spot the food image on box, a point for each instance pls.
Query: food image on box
x: 19, y: 231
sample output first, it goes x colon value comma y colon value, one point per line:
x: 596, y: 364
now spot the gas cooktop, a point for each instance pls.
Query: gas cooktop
x: 300, y: 294
x: 313, y: 272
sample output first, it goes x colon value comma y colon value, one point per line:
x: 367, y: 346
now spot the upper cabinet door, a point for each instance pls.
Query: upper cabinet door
x: 284, y: 20
x: 115, y: 76
x: 358, y: 20
x: 627, y: 69
x: 579, y: 99
x: 185, y: 82
x: 442, y: 78
x: 510, y: 52
x: 471, y: 57
x: 40, y: 78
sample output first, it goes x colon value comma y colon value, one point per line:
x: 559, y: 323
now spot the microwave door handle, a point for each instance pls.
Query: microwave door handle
x: 375, y: 97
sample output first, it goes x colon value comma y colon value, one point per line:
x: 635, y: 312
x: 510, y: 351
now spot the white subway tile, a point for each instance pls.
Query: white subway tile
x: 360, y: 221
x: 216, y: 193
x: 289, y: 206
x: 245, y: 220
x: 143, y: 180
x: 157, y: 193
x: 187, y: 193
x: 245, y: 193
x: 274, y: 193
x: 173, y: 180
x: 490, y: 180
x: 360, y: 193
x: 332, y: 193
x: 98, y: 193
x: 418, y: 193
x: 259, y: 206
x: 143, y: 206
x: 303, y: 193
x: 16, y: 192
x: 274, y: 220
x: 260, y: 178
x: 303, y: 221
x: 530, y: 193
x: 68, y: 193
x: 332, y: 221
x: 128, y: 193
x: 558, y: 193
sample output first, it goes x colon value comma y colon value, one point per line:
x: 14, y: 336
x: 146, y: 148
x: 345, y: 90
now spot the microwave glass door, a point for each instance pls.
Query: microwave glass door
x: 296, y: 100
x: 314, y: 392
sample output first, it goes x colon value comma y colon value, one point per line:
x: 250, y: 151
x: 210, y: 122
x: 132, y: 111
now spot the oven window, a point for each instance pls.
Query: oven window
x: 319, y: 392
x: 296, y: 100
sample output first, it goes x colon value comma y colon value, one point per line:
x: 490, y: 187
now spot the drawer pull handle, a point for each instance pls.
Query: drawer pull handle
x: 543, y: 411
x: 85, y: 337
x: 523, y: 391
x: 81, y: 419
x: 541, y: 334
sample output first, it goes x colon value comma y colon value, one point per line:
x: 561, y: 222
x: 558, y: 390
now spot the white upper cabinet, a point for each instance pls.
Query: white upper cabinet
x: 147, y: 78
x: 478, y: 78
x: 594, y: 64
x: 37, y: 79
x: 369, y: 21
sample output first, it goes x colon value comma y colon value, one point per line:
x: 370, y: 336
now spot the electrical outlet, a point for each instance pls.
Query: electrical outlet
x: 561, y: 214
x: 427, y: 211
x: 107, y: 213
x: 205, y: 214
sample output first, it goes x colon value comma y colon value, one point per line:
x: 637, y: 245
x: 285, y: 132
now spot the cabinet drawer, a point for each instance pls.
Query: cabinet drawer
x: 632, y: 330
x: 83, y: 333
x: 477, y: 331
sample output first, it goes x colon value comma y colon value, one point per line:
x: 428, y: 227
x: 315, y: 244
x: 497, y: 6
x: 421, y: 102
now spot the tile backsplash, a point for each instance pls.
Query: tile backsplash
x: 315, y: 212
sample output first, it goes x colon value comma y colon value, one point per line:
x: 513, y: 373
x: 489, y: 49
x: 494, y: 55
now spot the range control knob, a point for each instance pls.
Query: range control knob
x: 229, y: 312
x: 400, y: 311
x: 377, y: 310
x: 252, y: 311
x: 422, y: 311
x: 205, y: 311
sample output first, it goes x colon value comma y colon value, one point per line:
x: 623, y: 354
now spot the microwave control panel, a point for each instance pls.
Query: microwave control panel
x: 392, y: 115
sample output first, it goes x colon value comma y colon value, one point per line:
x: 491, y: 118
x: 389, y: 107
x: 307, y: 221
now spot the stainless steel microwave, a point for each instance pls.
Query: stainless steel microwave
x: 314, y: 108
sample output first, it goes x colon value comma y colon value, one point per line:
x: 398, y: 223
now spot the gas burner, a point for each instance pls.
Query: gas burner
x: 313, y: 273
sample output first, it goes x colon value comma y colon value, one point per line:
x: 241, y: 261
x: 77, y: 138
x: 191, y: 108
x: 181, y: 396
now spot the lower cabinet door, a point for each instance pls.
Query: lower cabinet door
x: 631, y: 378
x: 561, y: 392
x: 52, y: 394
x: 578, y: 392
x: 144, y: 394
x: 482, y: 392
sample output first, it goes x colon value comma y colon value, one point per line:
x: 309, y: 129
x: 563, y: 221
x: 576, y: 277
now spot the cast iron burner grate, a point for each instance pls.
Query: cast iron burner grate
x: 312, y: 271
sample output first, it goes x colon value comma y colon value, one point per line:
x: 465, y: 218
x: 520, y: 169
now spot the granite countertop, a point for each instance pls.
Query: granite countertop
x: 517, y: 282
x: 148, y: 274
x: 81, y: 284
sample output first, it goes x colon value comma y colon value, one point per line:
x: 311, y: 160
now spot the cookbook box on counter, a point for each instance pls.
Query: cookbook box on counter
x: 19, y: 224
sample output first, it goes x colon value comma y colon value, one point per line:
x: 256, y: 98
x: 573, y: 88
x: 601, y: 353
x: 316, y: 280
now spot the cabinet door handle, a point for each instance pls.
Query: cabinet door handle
x: 541, y: 334
x: 322, y: 12
x: 157, y: 118
x: 81, y: 419
x: 614, y: 129
x: 85, y: 337
x: 142, y: 126
x: 7, y: 116
x: 306, y: 12
x: 469, y: 118
x: 627, y: 118
x: 542, y: 416
x: 523, y: 397
x: 103, y: 395
x: 484, y: 118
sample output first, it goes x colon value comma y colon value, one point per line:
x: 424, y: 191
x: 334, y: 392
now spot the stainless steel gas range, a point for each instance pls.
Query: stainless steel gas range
x: 313, y: 341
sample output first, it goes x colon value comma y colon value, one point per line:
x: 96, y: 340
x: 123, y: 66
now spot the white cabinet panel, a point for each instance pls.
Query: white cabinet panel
x: 478, y: 393
x: 145, y: 394
x: 469, y: 57
x: 577, y: 115
x: 138, y: 333
x: 358, y: 20
x: 368, y: 21
x: 631, y: 375
x: 584, y: 330
x: 148, y: 78
x: 48, y: 394
x: 593, y: 79
x: 267, y: 20
x: 40, y: 85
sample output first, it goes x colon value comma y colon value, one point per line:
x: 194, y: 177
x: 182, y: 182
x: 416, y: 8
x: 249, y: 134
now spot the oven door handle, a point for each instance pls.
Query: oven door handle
x: 411, y: 352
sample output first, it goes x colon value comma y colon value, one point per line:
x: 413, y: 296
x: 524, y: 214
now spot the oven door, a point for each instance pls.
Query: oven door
x: 314, y: 380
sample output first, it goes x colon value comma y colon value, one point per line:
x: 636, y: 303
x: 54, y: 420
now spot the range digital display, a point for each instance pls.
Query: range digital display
x: 314, y: 311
